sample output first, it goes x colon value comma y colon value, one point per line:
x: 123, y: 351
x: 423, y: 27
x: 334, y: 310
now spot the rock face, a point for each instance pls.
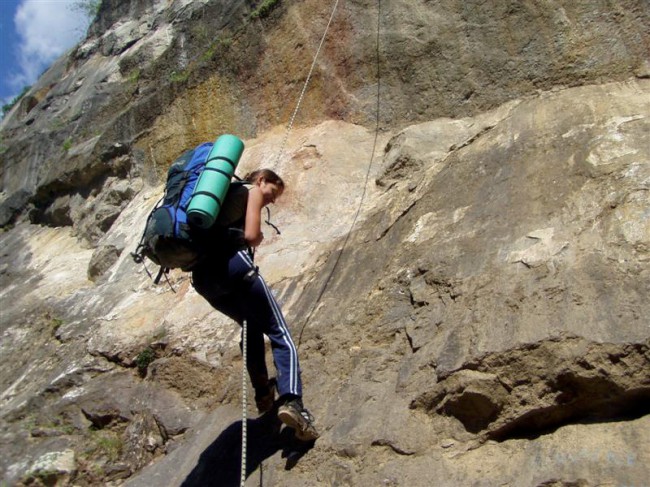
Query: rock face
x: 465, y: 271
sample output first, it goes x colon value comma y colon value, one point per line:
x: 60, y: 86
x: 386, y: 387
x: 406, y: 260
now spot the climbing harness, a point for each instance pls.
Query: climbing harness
x: 365, y: 184
x: 244, y: 405
x: 304, y: 88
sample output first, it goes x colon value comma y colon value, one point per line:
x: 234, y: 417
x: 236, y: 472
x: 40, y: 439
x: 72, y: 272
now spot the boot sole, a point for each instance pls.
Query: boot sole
x: 291, y: 421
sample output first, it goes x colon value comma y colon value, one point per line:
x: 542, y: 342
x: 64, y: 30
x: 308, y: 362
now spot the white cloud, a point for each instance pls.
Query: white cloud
x: 47, y: 28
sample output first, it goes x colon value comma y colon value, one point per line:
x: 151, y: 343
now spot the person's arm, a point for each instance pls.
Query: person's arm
x: 253, y: 225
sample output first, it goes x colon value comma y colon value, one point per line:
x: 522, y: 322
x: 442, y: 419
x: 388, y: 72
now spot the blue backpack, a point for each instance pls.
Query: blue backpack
x: 168, y: 240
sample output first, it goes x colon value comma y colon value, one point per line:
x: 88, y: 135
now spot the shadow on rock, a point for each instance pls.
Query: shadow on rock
x: 219, y: 465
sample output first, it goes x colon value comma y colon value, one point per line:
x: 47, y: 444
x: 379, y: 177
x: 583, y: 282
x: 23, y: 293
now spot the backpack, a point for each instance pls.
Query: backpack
x: 168, y: 239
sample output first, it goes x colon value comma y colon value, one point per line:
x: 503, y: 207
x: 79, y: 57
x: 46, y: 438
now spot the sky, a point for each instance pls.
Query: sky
x: 34, y: 33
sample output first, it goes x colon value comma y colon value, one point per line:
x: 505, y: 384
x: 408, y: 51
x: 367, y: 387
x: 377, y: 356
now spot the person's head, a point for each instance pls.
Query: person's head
x: 269, y: 182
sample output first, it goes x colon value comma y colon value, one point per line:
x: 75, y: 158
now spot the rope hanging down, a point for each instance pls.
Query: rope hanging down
x: 244, y: 405
x: 365, y: 184
x: 304, y: 88
x: 244, y: 324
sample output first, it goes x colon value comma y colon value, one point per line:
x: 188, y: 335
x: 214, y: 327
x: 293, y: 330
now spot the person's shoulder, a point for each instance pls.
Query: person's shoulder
x: 255, y: 195
x: 254, y: 190
x: 238, y: 189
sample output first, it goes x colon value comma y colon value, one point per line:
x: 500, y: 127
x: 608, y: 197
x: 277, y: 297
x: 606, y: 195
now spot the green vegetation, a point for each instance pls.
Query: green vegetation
x: 53, y: 322
x: 144, y: 358
x: 56, y: 324
x: 29, y: 422
x: 201, y: 32
x: 216, y: 44
x: 57, y: 424
x: 40, y: 477
x: 176, y: 77
x: 89, y: 8
x: 57, y: 124
x: 67, y: 143
x: 101, y: 448
x: 207, y: 55
x: 10, y: 105
x: 264, y: 9
x: 107, y: 443
x: 134, y: 75
x: 66, y: 429
x: 103, y: 443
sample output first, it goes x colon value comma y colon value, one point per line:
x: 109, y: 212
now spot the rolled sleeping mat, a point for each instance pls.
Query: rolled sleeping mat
x: 213, y: 184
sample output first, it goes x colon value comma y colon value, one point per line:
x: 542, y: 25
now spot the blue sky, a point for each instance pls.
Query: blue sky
x: 33, y: 33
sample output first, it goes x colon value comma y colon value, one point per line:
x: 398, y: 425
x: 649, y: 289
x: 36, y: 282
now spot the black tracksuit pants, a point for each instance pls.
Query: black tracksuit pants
x: 233, y: 286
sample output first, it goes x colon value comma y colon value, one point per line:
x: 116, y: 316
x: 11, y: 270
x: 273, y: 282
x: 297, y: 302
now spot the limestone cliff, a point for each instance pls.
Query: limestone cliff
x: 464, y: 257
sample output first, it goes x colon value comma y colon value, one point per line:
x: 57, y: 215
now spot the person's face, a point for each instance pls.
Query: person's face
x: 270, y: 191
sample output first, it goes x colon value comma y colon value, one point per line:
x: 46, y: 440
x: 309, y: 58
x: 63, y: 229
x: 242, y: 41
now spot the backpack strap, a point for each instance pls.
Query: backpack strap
x: 138, y: 256
x: 161, y: 271
x: 268, y: 221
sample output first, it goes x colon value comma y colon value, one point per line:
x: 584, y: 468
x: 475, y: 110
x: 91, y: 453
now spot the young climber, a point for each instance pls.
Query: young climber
x: 229, y: 280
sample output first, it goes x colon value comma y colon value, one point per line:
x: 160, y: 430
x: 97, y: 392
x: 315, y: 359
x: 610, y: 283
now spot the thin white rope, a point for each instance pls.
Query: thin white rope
x: 365, y: 183
x: 244, y: 405
x: 304, y: 88
x: 244, y: 324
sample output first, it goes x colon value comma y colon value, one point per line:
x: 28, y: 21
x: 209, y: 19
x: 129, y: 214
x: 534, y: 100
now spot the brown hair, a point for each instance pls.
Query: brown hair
x: 268, y: 175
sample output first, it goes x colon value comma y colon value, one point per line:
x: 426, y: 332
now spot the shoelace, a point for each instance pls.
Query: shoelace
x: 307, y: 415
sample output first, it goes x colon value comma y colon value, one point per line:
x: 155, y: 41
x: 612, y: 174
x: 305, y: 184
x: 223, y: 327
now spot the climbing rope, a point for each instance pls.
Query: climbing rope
x: 244, y: 324
x: 244, y: 404
x: 365, y: 184
x: 304, y: 87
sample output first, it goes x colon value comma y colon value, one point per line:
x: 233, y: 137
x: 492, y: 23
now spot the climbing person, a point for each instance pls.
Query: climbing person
x: 229, y: 280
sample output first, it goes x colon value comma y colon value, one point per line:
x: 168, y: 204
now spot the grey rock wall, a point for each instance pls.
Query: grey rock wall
x: 157, y: 77
x: 488, y: 301
x: 467, y: 290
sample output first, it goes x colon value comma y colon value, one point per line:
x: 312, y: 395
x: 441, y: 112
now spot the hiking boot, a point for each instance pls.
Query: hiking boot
x: 294, y: 415
x: 265, y: 397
